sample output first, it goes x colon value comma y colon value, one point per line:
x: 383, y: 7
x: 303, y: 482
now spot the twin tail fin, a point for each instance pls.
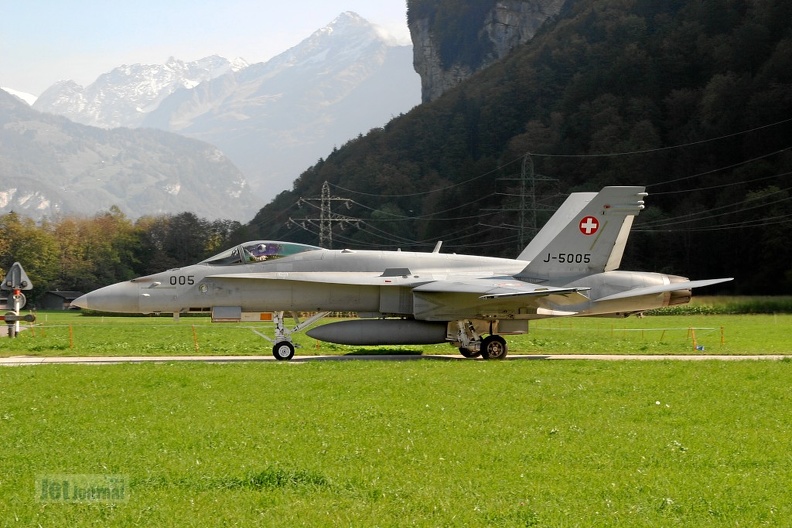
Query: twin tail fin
x: 591, y: 241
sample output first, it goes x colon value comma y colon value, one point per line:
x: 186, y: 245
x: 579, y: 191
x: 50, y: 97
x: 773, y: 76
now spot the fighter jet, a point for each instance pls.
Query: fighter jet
x: 569, y: 269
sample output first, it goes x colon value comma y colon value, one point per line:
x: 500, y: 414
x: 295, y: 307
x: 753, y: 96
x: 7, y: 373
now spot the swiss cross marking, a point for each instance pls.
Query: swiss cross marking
x: 589, y: 225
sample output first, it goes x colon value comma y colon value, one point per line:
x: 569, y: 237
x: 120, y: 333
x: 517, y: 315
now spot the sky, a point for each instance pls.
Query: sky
x: 44, y: 41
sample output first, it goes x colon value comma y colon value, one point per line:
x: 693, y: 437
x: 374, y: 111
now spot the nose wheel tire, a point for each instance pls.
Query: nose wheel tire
x: 493, y: 347
x: 283, y: 351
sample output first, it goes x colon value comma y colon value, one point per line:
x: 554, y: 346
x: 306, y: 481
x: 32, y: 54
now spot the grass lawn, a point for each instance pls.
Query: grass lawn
x: 467, y: 443
x: 424, y: 443
x: 72, y: 334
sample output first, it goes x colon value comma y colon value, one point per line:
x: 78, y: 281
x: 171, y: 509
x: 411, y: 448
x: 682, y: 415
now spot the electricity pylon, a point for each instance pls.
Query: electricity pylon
x: 327, y: 218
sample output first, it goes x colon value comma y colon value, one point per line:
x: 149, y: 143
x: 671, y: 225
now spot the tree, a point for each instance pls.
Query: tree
x: 34, y: 248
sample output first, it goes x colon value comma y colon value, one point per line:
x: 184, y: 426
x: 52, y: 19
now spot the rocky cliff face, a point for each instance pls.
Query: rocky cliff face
x: 507, y: 25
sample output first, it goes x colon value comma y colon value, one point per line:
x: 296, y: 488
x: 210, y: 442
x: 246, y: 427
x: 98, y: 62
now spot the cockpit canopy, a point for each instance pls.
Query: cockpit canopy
x: 258, y: 251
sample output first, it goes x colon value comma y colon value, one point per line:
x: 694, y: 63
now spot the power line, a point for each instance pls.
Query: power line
x: 601, y: 155
x: 721, y: 211
x: 746, y: 162
x: 527, y: 193
x: 670, y: 147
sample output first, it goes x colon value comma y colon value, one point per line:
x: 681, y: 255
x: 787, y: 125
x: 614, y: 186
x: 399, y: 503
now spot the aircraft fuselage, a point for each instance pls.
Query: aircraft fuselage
x: 405, y: 297
x: 377, y: 283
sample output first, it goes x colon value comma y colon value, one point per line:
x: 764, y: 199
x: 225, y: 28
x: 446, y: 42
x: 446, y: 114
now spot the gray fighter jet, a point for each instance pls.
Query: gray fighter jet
x: 471, y: 302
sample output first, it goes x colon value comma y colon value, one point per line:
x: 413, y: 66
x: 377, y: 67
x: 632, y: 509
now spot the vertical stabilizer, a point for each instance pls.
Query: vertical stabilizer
x: 574, y: 203
x: 593, y: 240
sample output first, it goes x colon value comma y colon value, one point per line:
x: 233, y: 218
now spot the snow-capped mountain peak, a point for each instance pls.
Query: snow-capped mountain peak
x: 272, y: 119
x: 346, y: 38
x: 26, y: 97
x: 122, y: 96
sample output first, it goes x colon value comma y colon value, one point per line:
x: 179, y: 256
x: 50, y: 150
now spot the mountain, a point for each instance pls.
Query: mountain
x: 26, y: 97
x: 271, y: 119
x: 692, y: 99
x: 274, y: 119
x: 51, y: 166
x: 126, y: 94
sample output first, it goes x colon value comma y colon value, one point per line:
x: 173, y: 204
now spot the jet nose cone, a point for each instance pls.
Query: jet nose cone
x: 122, y: 297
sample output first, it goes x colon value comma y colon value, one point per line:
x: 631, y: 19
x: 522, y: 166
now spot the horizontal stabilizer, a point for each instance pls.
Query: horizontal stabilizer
x: 674, y: 286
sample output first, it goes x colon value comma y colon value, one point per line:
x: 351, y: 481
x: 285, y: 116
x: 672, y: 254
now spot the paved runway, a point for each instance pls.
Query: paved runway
x: 109, y: 360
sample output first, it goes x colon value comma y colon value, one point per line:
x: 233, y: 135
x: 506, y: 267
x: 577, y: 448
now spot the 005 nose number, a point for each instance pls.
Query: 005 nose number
x: 182, y: 280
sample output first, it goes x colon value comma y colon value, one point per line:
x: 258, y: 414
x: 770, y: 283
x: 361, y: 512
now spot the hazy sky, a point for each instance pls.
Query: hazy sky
x: 43, y: 41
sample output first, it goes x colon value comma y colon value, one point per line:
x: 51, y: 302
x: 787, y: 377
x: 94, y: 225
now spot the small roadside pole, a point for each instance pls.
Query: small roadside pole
x: 15, y: 281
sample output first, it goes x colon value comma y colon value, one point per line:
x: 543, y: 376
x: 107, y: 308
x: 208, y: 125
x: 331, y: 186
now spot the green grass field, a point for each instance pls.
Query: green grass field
x: 71, y: 334
x: 423, y: 443
x: 427, y: 443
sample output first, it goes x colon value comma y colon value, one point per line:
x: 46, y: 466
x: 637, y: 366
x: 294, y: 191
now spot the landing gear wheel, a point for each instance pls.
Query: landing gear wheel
x: 468, y: 353
x: 493, y: 347
x: 283, y: 351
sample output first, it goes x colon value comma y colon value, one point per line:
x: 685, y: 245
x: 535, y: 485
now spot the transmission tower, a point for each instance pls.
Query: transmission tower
x: 527, y: 225
x: 529, y: 204
x: 527, y: 175
x: 327, y: 218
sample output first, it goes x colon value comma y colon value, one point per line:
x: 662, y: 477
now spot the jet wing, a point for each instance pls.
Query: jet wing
x: 444, y: 300
x: 503, y: 292
x: 502, y: 297
x: 674, y: 286
x: 485, y: 288
x: 572, y: 295
x: 503, y: 289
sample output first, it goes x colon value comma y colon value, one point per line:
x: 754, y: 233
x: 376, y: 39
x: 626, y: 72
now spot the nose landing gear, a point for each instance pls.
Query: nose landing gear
x: 283, y: 348
x: 283, y: 351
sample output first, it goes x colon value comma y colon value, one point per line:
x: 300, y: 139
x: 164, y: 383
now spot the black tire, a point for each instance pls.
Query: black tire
x: 283, y: 351
x: 469, y: 353
x: 493, y: 347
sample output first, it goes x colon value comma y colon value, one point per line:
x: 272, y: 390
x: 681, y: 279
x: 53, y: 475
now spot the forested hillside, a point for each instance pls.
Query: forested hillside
x: 78, y: 253
x: 692, y: 99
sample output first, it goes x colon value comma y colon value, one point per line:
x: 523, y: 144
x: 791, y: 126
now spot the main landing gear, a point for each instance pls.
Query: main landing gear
x: 471, y: 344
x: 469, y: 352
x: 493, y: 347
